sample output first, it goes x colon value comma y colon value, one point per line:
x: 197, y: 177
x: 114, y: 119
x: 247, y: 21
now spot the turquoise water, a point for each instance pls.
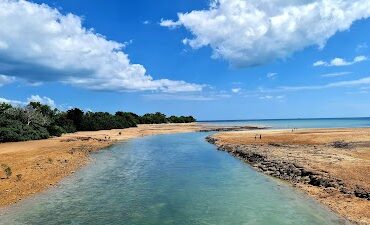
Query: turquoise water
x: 298, y: 123
x: 168, y: 179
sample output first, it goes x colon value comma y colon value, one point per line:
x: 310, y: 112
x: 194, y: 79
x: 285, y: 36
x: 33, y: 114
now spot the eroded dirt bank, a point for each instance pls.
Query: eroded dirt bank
x: 332, y: 165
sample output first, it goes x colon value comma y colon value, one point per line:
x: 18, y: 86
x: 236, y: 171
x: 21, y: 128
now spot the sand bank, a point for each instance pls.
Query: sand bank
x: 332, y: 165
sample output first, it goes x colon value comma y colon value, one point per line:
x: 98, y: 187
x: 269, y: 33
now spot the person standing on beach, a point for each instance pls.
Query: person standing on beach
x: 260, y: 136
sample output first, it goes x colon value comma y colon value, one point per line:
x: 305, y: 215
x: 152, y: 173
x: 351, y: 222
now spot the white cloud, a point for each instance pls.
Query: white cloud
x: 12, y: 102
x: 360, y: 58
x: 338, y: 74
x: 34, y: 83
x: 361, y: 47
x: 360, y: 92
x: 350, y: 83
x: 271, y: 76
x: 319, y: 63
x: 341, y: 84
x: 341, y: 62
x: 272, y: 97
x: 253, y: 32
x: 236, y: 90
x: 266, y: 97
x: 146, y: 22
x: 6, y: 80
x: 43, y: 100
x: 169, y: 23
x: 33, y: 98
x: 187, y: 97
x: 38, y: 44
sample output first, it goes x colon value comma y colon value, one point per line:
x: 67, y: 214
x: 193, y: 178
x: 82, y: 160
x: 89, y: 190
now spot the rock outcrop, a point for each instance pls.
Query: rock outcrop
x: 287, y: 170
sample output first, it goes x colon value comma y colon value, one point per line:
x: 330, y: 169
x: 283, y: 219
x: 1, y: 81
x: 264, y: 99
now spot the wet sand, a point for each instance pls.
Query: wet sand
x: 331, y: 165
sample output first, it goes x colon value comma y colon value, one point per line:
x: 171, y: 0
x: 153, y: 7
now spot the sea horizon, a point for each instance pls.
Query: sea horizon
x: 344, y: 122
x: 306, y: 118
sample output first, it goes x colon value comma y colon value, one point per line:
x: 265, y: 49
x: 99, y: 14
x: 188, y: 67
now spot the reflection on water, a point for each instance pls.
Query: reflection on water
x: 168, y: 179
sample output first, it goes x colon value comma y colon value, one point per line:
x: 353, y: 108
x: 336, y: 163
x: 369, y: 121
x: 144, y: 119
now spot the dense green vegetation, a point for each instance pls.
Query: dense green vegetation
x: 38, y: 121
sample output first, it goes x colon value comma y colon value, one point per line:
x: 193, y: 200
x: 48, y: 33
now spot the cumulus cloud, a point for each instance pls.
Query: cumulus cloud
x: 33, y: 98
x: 6, y: 80
x: 12, y: 102
x: 319, y: 63
x: 43, y: 100
x: 253, y: 32
x: 341, y: 62
x: 38, y: 43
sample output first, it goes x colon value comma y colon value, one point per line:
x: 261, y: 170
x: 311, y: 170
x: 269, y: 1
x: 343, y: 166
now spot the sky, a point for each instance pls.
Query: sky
x: 214, y: 59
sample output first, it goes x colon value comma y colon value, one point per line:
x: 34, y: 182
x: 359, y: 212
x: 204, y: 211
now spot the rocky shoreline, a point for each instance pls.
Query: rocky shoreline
x: 332, y: 166
x: 289, y: 171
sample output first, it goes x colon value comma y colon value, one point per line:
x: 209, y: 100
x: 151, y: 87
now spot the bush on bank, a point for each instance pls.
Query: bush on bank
x: 37, y: 121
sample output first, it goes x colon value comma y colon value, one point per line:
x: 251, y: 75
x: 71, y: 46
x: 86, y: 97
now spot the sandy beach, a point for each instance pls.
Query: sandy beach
x: 37, y: 165
x: 331, y: 165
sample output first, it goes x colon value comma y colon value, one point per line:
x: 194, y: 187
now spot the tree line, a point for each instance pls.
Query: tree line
x: 37, y: 121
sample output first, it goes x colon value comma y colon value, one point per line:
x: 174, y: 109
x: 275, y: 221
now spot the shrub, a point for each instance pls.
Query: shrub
x: 13, y: 130
x: 19, y: 177
x: 7, y: 170
x: 38, y: 121
x: 55, y: 130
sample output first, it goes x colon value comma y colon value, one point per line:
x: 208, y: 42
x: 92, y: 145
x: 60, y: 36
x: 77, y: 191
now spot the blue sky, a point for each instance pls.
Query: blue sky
x: 216, y: 74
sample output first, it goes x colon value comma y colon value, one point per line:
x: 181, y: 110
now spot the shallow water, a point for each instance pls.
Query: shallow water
x: 298, y: 123
x: 168, y: 179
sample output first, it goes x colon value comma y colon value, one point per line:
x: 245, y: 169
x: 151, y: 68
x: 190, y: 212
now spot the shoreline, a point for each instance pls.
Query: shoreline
x: 330, y: 165
x: 40, y: 164
x: 43, y: 163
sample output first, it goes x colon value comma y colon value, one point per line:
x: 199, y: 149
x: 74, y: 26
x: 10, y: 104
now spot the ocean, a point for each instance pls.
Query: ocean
x: 297, y: 123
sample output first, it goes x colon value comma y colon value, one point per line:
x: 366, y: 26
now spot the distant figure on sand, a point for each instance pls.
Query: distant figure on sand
x: 255, y: 137
x: 260, y: 136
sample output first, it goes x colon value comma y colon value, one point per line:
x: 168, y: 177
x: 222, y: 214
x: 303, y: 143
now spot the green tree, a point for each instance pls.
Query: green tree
x: 76, y: 116
x: 4, y: 106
